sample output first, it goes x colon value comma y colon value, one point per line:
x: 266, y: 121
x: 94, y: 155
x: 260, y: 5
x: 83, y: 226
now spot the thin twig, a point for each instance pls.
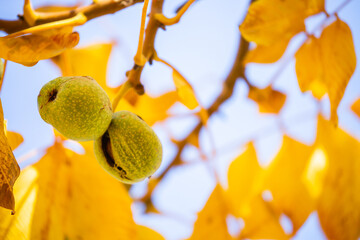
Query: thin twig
x: 90, y: 11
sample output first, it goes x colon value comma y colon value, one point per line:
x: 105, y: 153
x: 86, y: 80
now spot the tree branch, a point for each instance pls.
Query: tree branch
x: 148, y: 47
x: 91, y: 11
x: 237, y: 71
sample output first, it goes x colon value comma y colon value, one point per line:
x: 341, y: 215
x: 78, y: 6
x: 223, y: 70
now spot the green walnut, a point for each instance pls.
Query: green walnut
x: 130, y: 150
x: 77, y: 107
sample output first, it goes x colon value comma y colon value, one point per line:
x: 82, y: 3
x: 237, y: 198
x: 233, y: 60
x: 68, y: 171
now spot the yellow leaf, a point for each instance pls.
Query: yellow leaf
x: 315, y: 172
x: 2, y: 68
x: 185, y: 91
x: 261, y: 222
x: 284, y: 179
x: 356, y: 107
x: 314, y: 6
x: 87, y: 61
x: 193, y: 139
x: 145, y: 233
x: 9, y: 169
x: 338, y: 206
x: 69, y: 196
x: 15, y: 139
x: 309, y: 68
x: 267, y: 54
x: 269, y: 21
x: 243, y: 177
x: 269, y: 100
x: 211, y: 221
x: 151, y: 109
x: 325, y: 65
x: 29, y: 49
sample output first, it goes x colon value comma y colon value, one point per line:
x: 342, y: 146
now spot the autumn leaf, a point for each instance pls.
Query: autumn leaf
x: 29, y: 49
x: 145, y: 233
x: 261, y: 221
x: 309, y: 68
x: 268, y: 21
x: 151, y: 109
x: 325, y: 65
x: 284, y: 179
x: 69, y: 196
x: 267, y: 54
x: 339, y: 201
x: 314, y: 6
x: 356, y: 107
x: 243, y: 179
x: 269, y: 100
x: 185, y: 91
x: 9, y: 169
x: 2, y: 68
x: 71, y: 62
x: 14, y: 139
x: 211, y: 221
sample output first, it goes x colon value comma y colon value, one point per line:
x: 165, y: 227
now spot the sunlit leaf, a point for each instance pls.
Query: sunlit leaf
x: 269, y: 100
x: 261, y: 221
x: 1, y: 69
x: 284, y: 178
x: 145, y: 233
x: 29, y: 49
x: 9, y: 170
x: 151, y: 109
x: 267, y: 54
x: 356, y: 107
x: 72, y: 63
x: 193, y: 139
x: 68, y: 196
x: 315, y: 172
x: 243, y: 179
x: 185, y: 91
x: 314, y: 6
x: 268, y: 21
x: 211, y: 221
x: 339, y: 202
x: 309, y: 68
x: 14, y: 138
x: 325, y: 65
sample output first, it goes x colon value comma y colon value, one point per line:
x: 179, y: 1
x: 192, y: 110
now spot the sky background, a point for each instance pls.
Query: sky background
x: 202, y: 47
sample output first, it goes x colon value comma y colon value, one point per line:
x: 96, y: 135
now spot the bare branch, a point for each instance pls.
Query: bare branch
x: 91, y: 11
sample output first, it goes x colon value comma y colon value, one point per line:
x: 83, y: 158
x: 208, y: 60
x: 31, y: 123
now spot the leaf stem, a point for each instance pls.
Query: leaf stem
x: 156, y: 58
x: 123, y: 90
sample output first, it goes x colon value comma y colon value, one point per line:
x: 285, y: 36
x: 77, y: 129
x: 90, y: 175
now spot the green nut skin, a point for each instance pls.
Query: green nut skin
x: 130, y: 150
x: 77, y: 107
